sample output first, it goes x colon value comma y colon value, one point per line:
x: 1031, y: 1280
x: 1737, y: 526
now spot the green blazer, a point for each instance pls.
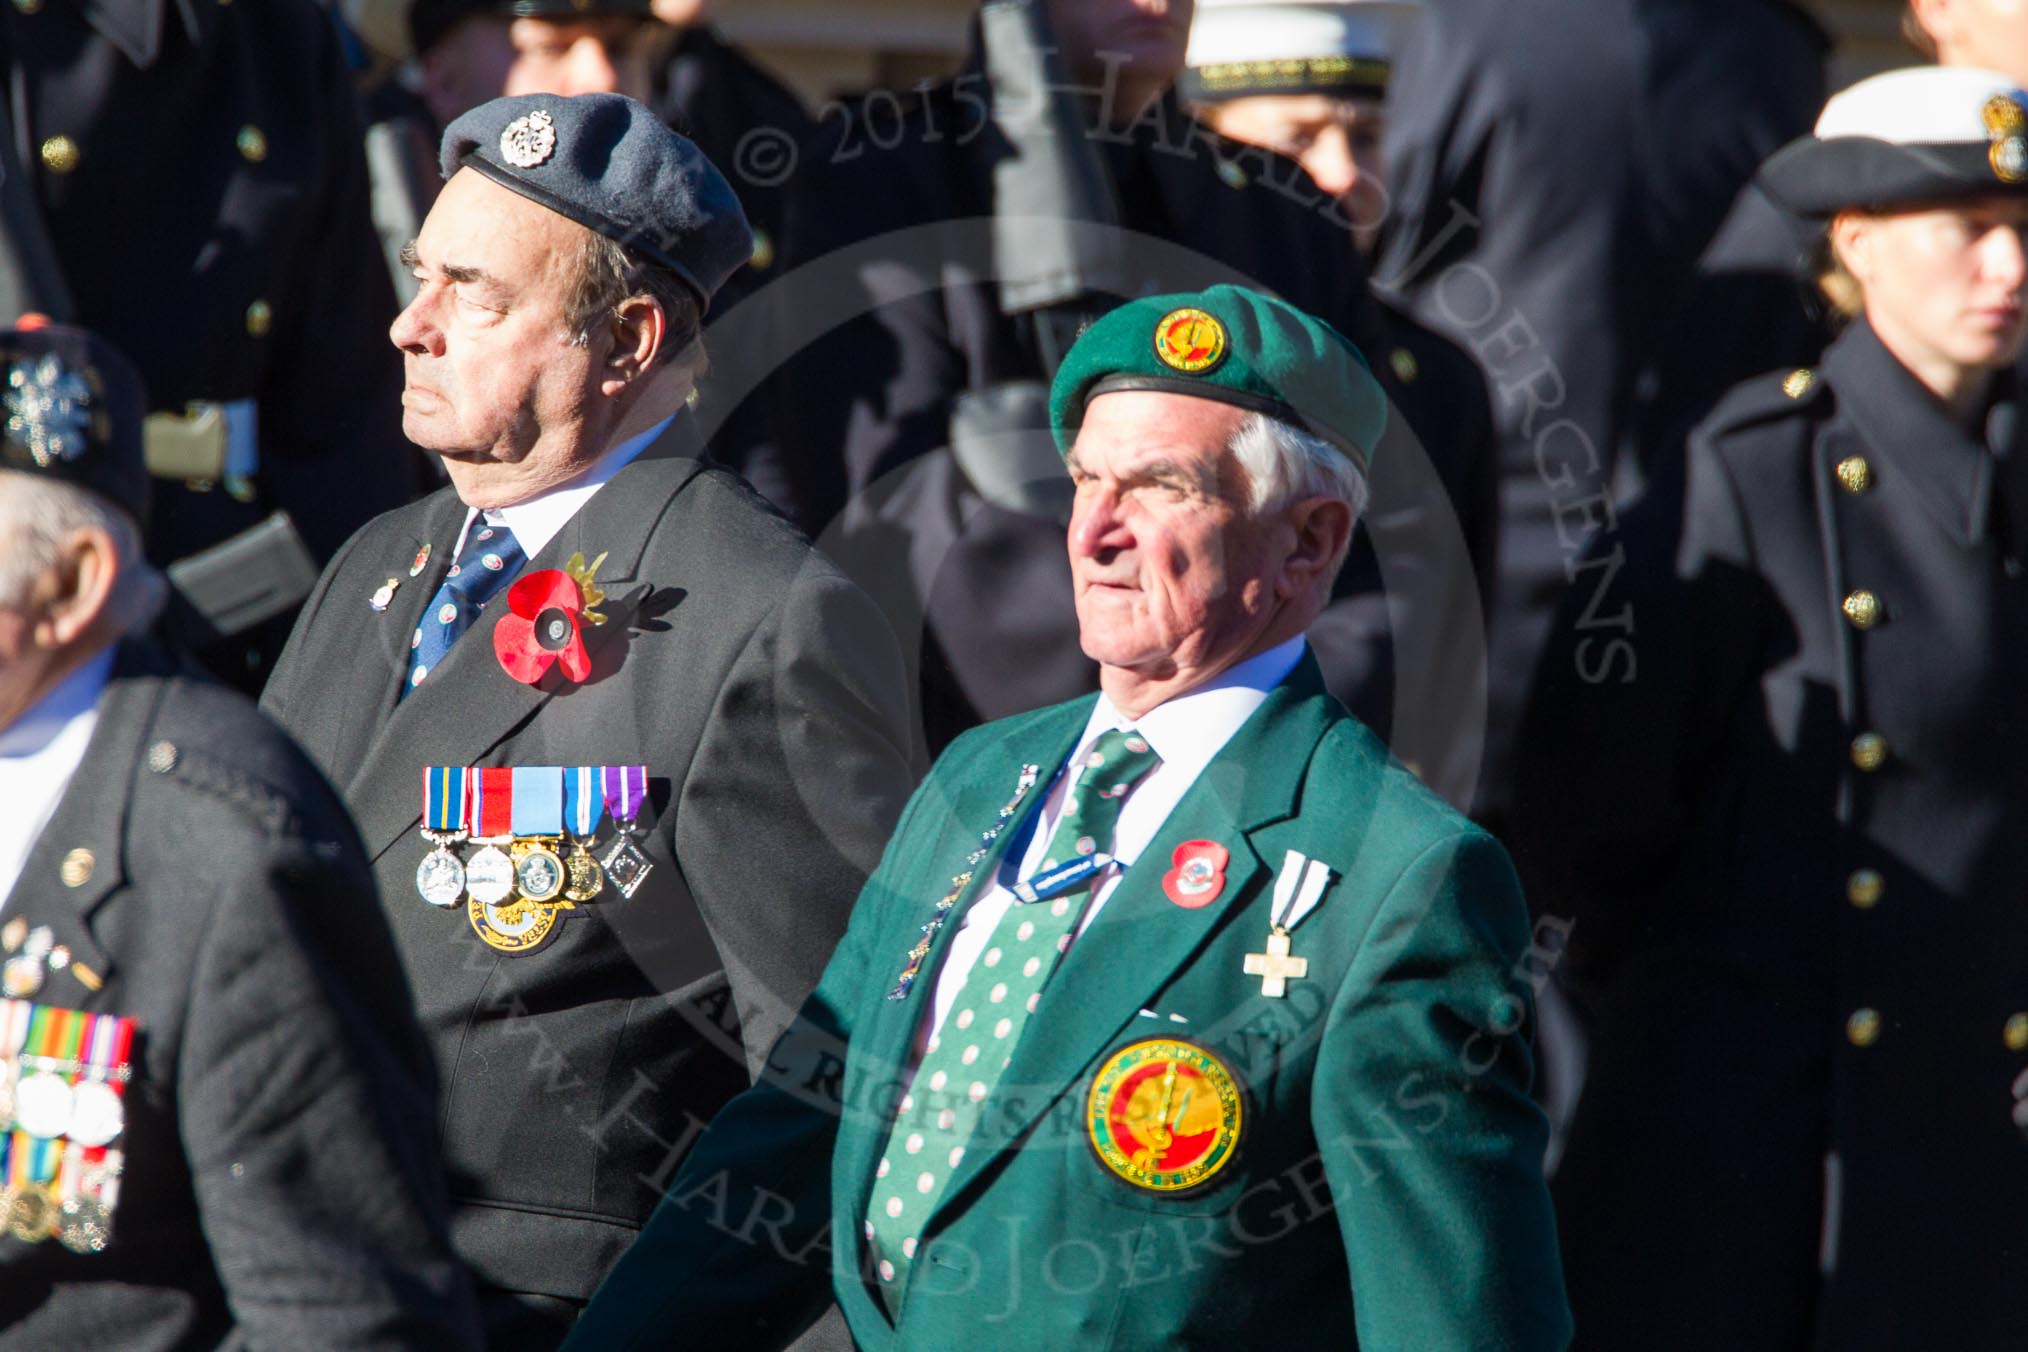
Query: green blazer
x: 1386, y: 1187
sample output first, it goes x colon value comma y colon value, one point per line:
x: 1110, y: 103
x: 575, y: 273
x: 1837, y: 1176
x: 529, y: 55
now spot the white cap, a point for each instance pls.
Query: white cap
x: 1922, y: 105
x: 1254, y: 46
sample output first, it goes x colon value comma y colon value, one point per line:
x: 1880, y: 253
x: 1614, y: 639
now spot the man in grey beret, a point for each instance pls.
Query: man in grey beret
x: 635, y: 606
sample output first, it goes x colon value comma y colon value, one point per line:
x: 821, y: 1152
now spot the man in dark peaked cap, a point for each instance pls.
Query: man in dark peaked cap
x: 214, y: 1100
x: 659, y: 616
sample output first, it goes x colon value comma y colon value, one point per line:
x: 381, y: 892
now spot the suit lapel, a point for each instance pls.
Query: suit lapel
x: 889, y: 1033
x: 469, y: 705
x: 1139, y: 939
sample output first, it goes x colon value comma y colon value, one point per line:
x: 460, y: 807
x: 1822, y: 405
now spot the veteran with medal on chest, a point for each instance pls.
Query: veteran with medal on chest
x: 214, y: 1100
x: 1172, y: 1014
x: 623, y: 747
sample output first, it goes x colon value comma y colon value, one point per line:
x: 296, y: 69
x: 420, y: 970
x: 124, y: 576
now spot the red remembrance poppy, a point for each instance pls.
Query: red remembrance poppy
x: 541, y: 628
x: 1199, y: 873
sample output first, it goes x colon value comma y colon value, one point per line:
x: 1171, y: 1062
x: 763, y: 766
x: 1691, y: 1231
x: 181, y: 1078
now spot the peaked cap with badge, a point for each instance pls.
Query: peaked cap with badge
x: 608, y: 163
x: 1788, y: 818
x: 1242, y: 48
x: 1232, y: 345
x: 1929, y: 134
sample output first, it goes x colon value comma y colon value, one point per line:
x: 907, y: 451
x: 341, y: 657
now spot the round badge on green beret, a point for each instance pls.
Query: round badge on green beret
x: 1234, y: 345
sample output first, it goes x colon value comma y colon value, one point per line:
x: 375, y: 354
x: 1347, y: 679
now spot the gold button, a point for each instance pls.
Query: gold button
x: 59, y: 154
x: 763, y: 256
x: 1869, y: 751
x: 1797, y: 383
x: 1864, y: 887
x: 1406, y: 367
x: 252, y: 143
x: 13, y: 934
x: 260, y: 317
x: 1855, y: 474
x: 76, y: 869
x: 1863, y: 608
x: 1863, y: 1028
x: 2016, y: 1033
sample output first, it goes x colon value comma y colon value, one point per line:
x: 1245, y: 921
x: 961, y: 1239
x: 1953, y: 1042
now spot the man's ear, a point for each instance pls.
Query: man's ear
x: 76, y: 593
x: 1323, y: 528
x: 638, y: 328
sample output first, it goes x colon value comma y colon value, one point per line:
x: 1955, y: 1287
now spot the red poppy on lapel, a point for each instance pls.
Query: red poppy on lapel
x: 543, y: 626
x: 1199, y: 873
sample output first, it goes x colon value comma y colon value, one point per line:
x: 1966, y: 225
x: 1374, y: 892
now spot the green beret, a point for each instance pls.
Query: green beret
x: 1234, y: 345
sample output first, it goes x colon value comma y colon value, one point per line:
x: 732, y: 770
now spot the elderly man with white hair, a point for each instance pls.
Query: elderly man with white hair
x: 214, y: 1101
x: 1175, y: 1016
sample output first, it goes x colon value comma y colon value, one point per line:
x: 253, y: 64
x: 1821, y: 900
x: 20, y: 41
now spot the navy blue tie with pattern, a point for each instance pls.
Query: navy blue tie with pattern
x: 490, y: 559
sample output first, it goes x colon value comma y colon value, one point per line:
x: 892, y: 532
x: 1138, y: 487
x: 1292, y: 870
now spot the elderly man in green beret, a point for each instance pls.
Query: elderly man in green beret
x: 1175, y: 1016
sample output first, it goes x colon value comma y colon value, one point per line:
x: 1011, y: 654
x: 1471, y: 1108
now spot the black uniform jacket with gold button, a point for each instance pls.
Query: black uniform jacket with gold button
x: 210, y: 219
x: 1789, y: 808
x: 764, y: 695
x: 281, y: 1187
x: 895, y: 217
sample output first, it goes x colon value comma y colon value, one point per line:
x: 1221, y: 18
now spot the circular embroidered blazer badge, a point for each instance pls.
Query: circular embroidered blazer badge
x: 1190, y: 340
x: 1164, y: 1114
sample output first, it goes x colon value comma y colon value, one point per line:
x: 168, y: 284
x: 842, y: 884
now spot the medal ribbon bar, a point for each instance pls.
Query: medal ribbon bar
x: 446, y: 800
x: 492, y: 803
x: 538, y: 801
x: 583, y: 801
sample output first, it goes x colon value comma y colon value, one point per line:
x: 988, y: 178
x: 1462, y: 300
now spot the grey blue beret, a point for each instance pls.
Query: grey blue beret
x: 71, y: 409
x: 608, y: 163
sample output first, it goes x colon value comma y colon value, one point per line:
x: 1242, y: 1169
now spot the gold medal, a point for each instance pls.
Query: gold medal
x: 1164, y: 1114
x: 584, y: 878
x: 518, y: 927
x: 31, y: 1213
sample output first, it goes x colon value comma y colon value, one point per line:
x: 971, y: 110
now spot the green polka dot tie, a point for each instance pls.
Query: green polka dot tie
x: 963, y: 1061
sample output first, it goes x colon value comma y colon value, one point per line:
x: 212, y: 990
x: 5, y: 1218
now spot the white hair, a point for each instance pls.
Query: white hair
x: 38, y: 516
x: 1285, y: 464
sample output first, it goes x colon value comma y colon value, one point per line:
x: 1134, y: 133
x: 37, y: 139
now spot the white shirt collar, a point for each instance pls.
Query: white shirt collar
x: 537, y: 521
x: 68, y: 700
x: 1191, y: 729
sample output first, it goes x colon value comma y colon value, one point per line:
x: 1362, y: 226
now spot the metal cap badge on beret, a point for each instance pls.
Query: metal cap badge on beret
x: 1233, y: 345
x: 71, y: 409
x: 608, y: 163
x: 1242, y: 48
x: 1909, y: 137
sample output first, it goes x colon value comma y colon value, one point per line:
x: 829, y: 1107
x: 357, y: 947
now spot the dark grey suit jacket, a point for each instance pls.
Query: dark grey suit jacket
x: 281, y: 1188
x: 764, y: 693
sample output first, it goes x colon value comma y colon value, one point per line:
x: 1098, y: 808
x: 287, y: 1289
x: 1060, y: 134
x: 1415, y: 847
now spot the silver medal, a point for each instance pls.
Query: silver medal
x: 626, y: 865
x: 97, y: 1116
x: 489, y: 876
x: 440, y: 878
x: 42, y: 1105
x: 539, y: 874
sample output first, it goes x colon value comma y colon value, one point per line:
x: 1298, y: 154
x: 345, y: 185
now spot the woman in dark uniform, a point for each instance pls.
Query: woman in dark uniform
x: 1776, y: 769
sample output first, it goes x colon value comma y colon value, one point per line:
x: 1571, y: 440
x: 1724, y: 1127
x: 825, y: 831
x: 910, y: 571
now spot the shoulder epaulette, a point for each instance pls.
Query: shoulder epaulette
x: 262, y: 803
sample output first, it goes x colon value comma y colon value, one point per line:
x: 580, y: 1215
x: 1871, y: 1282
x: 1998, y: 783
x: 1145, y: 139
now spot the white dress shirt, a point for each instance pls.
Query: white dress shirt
x: 536, y: 522
x: 39, y: 752
x: 1186, y: 732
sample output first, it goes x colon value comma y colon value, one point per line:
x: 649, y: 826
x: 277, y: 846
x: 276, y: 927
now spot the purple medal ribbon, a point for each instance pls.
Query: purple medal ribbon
x: 626, y: 786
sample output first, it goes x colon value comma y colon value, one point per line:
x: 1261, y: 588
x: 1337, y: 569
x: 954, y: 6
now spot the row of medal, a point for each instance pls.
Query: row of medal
x: 535, y: 827
x: 63, y: 1081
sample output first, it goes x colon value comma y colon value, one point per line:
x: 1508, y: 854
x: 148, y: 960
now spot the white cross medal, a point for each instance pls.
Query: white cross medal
x: 1298, y: 889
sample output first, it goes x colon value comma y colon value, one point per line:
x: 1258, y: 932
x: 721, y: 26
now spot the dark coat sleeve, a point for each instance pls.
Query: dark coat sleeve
x: 767, y: 1154
x: 1654, y: 647
x: 807, y: 735
x: 306, y: 1102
